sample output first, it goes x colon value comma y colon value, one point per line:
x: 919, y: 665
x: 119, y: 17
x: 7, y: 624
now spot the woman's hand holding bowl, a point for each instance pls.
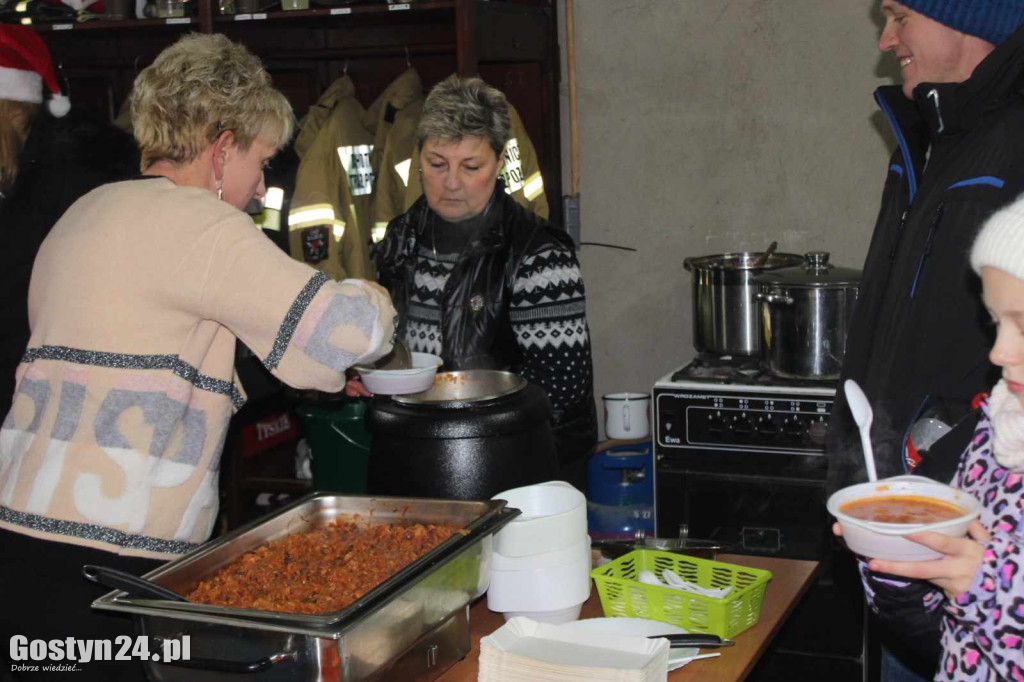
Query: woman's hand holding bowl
x: 954, y: 573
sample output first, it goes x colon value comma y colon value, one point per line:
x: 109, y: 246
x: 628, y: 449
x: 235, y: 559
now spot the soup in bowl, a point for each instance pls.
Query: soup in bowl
x: 876, y: 516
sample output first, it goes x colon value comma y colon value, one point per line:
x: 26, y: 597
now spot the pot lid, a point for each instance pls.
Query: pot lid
x: 743, y: 261
x: 816, y: 271
x: 465, y: 387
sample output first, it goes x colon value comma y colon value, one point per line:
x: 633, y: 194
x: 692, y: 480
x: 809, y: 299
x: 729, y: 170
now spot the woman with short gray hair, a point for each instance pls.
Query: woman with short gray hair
x: 465, y: 107
x: 481, y: 281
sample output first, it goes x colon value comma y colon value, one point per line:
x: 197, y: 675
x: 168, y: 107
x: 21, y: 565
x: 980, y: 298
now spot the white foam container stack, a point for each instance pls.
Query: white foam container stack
x: 541, y: 568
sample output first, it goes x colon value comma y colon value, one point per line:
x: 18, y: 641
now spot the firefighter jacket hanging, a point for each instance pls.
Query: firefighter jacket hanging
x: 330, y: 209
x: 402, y: 101
x: 331, y: 212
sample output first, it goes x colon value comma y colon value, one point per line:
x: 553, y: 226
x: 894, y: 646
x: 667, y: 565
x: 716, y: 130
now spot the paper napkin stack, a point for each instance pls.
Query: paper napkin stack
x: 527, y: 651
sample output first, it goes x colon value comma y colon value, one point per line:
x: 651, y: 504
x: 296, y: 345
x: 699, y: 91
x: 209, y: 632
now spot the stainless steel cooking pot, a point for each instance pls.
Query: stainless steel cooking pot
x: 725, y: 320
x: 805, y: 312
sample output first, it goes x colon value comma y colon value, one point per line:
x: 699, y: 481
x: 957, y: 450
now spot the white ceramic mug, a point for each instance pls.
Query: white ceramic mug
x: 627, y: 415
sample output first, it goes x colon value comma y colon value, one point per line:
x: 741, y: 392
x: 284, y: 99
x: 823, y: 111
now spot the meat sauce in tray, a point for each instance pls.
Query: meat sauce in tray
x: 320, y: 570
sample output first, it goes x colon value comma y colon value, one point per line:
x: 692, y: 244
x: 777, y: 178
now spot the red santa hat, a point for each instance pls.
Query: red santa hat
x: 25, y: 67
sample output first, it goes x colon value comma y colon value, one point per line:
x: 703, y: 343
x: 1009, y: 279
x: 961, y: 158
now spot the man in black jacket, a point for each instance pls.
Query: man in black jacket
x: 918, y: 342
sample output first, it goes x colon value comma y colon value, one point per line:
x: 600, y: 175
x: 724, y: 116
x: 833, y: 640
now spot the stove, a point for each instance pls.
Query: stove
x: 726, y: 413
x: 740, y: 459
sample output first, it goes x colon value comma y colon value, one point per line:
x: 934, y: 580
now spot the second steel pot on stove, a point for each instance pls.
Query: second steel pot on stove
x: 805, y: 312
x: 725, y: 320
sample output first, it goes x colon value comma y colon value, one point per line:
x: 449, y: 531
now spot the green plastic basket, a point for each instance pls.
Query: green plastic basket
x: 623, y: 595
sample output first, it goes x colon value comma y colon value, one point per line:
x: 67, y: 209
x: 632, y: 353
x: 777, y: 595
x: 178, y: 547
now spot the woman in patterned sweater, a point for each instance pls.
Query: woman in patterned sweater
x: 980, y: 597
x: 481, y: 281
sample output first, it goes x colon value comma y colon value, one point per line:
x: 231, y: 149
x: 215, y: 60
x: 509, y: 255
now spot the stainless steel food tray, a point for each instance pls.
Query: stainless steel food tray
x: 359, y: 640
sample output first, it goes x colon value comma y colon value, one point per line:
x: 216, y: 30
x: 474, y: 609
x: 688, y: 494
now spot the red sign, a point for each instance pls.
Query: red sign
x: 270, y: 431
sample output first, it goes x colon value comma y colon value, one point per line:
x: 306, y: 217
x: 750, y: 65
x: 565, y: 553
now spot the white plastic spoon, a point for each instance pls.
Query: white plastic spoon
x: 860, y: 408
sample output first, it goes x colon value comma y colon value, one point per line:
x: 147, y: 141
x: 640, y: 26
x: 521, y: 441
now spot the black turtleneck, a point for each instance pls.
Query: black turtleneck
x: 444, y: 237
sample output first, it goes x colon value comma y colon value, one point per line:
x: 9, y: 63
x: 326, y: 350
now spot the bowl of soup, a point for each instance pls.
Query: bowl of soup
x: 876, y: 516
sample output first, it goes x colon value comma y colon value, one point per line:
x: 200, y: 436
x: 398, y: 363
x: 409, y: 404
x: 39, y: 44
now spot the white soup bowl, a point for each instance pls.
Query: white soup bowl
x: 886, y: 540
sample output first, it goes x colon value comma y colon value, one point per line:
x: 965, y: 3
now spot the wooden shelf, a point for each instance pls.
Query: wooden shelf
x: 272, y: 13
x: 511, y: 44
x: 120, y: 25
x: 333, y: 12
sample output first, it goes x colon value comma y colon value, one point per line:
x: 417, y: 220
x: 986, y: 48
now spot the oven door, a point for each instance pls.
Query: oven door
x: 781, y: 516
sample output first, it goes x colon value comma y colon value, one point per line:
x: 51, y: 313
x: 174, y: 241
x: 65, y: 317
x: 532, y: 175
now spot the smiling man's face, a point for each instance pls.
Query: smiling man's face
x: 928, y: 52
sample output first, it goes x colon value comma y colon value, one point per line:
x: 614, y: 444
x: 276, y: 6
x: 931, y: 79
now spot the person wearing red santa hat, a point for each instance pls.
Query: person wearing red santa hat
x: 25, y: 67
x: 48, y: 159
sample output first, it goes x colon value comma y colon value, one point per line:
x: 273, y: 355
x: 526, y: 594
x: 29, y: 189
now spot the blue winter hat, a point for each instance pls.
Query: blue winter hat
x: 991, y: 20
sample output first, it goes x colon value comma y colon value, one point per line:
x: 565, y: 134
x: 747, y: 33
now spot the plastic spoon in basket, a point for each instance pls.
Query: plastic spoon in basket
x: 860, y: 408
x: 699, y: 657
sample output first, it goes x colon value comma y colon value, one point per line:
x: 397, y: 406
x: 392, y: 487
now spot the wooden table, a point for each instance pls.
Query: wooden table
x: 790, y: 579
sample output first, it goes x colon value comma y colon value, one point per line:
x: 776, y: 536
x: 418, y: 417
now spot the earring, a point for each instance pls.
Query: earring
x: 220, y: 190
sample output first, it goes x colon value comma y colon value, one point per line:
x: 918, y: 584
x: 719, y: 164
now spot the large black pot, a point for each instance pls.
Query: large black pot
x: 475, y: 434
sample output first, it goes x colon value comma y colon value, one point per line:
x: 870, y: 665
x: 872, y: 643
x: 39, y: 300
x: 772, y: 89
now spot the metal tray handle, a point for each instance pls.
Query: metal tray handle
x: 235, y: 667
x: 133, y: 585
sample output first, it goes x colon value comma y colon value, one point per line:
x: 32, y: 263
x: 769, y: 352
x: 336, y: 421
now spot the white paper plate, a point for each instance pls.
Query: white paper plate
x: 551, y: 651
x: 639, y: 627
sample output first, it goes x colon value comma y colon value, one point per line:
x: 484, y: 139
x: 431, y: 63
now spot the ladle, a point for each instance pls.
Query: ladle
x: 398, y: 358
x: 763, y: 258
x: 132, y: 584
x: 860, y: 408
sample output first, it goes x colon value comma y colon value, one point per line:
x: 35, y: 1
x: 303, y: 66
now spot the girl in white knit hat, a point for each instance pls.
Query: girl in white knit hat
x: 977, y: 588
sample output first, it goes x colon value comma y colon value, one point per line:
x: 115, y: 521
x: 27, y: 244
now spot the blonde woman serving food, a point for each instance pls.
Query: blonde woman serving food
x: 110, y: 453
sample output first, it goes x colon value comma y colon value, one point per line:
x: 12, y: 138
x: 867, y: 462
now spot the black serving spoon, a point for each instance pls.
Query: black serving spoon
x: 694, y: 640
x: 132, y: 584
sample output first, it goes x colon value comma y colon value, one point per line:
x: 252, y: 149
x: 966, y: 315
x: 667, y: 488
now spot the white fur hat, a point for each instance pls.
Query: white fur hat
x: 1000, y: 242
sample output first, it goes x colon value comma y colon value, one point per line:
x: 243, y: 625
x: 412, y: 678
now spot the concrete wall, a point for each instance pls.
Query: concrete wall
x: 710, y: 126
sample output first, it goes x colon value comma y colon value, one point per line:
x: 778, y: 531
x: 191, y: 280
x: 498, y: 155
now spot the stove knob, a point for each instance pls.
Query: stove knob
x: 671, y: 419
x: 767, y: 426
x: 742, y: 424
x: 793, y: 427
x: 816, y: 431
x: 715, y: 423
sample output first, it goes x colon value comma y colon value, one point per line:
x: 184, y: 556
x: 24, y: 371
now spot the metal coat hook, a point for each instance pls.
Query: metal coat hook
x: 344, y: 69
x: 62, y: 80
x: 408, y: 62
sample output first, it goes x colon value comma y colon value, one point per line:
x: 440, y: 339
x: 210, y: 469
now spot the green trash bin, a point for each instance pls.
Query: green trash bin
x: 340, y: 443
